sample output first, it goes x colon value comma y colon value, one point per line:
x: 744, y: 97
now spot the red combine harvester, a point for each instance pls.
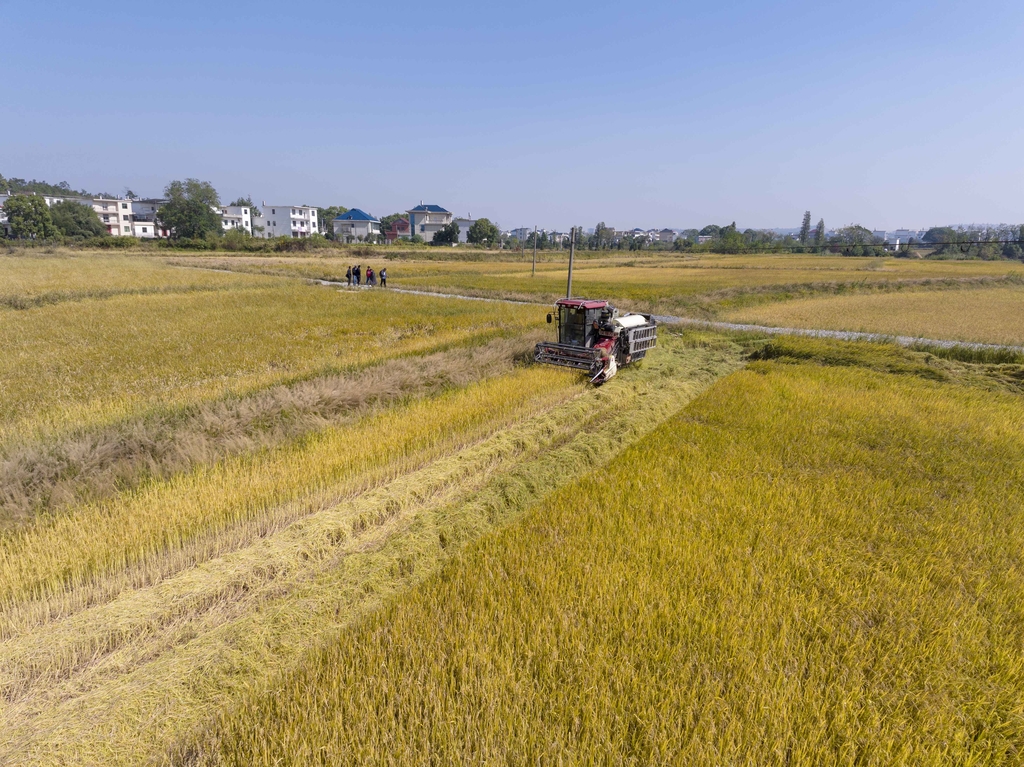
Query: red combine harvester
x: 593, y: 337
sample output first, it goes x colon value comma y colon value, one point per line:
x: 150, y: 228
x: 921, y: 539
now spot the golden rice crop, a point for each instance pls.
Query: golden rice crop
x: 990, y: 315
x: 666, y: 283
x: 34, y: 280
x: 103, y: 546
x: 158, y: 661
x: 86, y: 363
x: 808, y: 565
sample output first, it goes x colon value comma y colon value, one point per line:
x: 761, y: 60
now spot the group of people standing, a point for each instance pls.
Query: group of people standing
x: 354, y: 275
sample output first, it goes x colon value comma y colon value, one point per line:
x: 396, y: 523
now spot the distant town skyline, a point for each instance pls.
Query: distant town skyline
x: 558, y: 114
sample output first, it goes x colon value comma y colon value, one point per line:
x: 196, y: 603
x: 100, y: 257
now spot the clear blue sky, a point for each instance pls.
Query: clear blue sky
x: 672, y: 114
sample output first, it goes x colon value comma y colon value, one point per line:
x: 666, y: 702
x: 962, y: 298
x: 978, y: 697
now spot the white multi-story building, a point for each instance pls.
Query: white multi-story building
x: 144, y: 223
x: 115, y: 215
x: 289, y: 221
x: 903, y: 236
x: 235, y: 217
x: 464, y: 224
x: 426, y: 220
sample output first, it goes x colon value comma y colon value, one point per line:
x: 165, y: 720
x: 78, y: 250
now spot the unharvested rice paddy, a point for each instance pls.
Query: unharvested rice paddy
x: 249, y: 520
x: 807, y: 565
x: 990, y: 315
x: 706, y: 286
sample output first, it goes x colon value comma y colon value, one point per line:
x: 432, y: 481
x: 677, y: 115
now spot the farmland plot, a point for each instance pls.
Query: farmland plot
x: 992, y: 315
x: 809, y: 564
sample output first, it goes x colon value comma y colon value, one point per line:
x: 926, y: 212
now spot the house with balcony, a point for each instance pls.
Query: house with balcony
x: 289, y: 221
x: 427, y: 220
x: 144, y: 223
x: 355, y: 226
x: 115, y: 215
x: 234, y: 217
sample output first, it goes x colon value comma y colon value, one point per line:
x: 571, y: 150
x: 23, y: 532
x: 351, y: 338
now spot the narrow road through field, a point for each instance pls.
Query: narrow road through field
x: 842, y: 335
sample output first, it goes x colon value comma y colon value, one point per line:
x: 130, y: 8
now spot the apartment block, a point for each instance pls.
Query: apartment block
x: 289, y: 221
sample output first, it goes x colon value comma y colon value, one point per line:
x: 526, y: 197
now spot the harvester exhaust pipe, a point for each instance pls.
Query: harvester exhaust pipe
x: 572, y: 252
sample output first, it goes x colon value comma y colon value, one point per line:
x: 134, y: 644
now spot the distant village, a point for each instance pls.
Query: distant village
x: 137, y: 217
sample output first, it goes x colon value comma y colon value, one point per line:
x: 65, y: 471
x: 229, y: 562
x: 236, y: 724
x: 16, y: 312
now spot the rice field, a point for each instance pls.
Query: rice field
x: 38, y: 280
x: 177, y: 597
x: 830, y: 577
x: 708, y: 286
x: 78, y: 363
x: 991, y: 315
x: 249, y: 520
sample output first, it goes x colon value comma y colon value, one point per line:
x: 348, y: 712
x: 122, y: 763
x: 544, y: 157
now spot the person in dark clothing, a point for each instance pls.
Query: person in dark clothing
x: 357, y: 274
x: 384, y: 277
x: 369, y: 276
x: 348, y: 276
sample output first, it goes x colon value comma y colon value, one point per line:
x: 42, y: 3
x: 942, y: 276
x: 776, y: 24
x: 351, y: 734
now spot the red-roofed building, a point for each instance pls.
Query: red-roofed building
x: 399, y: 228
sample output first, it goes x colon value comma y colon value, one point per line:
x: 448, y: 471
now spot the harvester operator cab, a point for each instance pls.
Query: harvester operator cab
x: 593, y: 337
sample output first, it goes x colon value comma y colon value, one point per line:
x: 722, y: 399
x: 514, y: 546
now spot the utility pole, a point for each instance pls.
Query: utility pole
x: 534, y: 274
x: 572, y: 252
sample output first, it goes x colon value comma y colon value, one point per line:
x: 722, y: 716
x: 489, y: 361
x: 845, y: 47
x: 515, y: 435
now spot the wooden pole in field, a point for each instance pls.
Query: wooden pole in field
x: 534, y: 274
x: 572, y: 253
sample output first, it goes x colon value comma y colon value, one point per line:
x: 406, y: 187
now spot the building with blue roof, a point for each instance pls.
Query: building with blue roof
x: 425, y: 220
x: 355, y: 226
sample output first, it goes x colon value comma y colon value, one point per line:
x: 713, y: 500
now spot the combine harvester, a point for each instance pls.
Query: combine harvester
x: 592, y: 337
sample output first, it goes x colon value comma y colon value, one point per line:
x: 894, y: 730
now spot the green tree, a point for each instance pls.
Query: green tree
x: 940, y: 235
x: 29, y: 217
x: 805, y: 228
x: 21, y: 186
x: 854, y: 234
x: 482, y: 232
x: 711, y: 230
x: 194, y: 190
x: 327, y: 216
x: 819, y: 234
x: 446, y: 235
x: 603, y: 237
x: 72, y: 219
x: 189, y: 212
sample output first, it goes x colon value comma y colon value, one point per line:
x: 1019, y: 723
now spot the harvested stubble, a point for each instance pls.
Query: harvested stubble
x: 158, y: 661
x: 808, y: 565
x: 42, y: 477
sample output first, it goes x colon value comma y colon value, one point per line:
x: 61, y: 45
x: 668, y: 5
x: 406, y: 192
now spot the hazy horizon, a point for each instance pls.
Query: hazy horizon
x: 659, y: 115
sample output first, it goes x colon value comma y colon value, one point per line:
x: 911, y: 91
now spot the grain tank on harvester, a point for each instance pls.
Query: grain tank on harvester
x: 593, y: 337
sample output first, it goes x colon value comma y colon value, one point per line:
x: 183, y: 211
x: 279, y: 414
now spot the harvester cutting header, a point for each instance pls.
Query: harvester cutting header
x: 593, y: 337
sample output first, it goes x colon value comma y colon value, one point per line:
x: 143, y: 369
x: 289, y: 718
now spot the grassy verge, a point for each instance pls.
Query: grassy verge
x: 812, y: 563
